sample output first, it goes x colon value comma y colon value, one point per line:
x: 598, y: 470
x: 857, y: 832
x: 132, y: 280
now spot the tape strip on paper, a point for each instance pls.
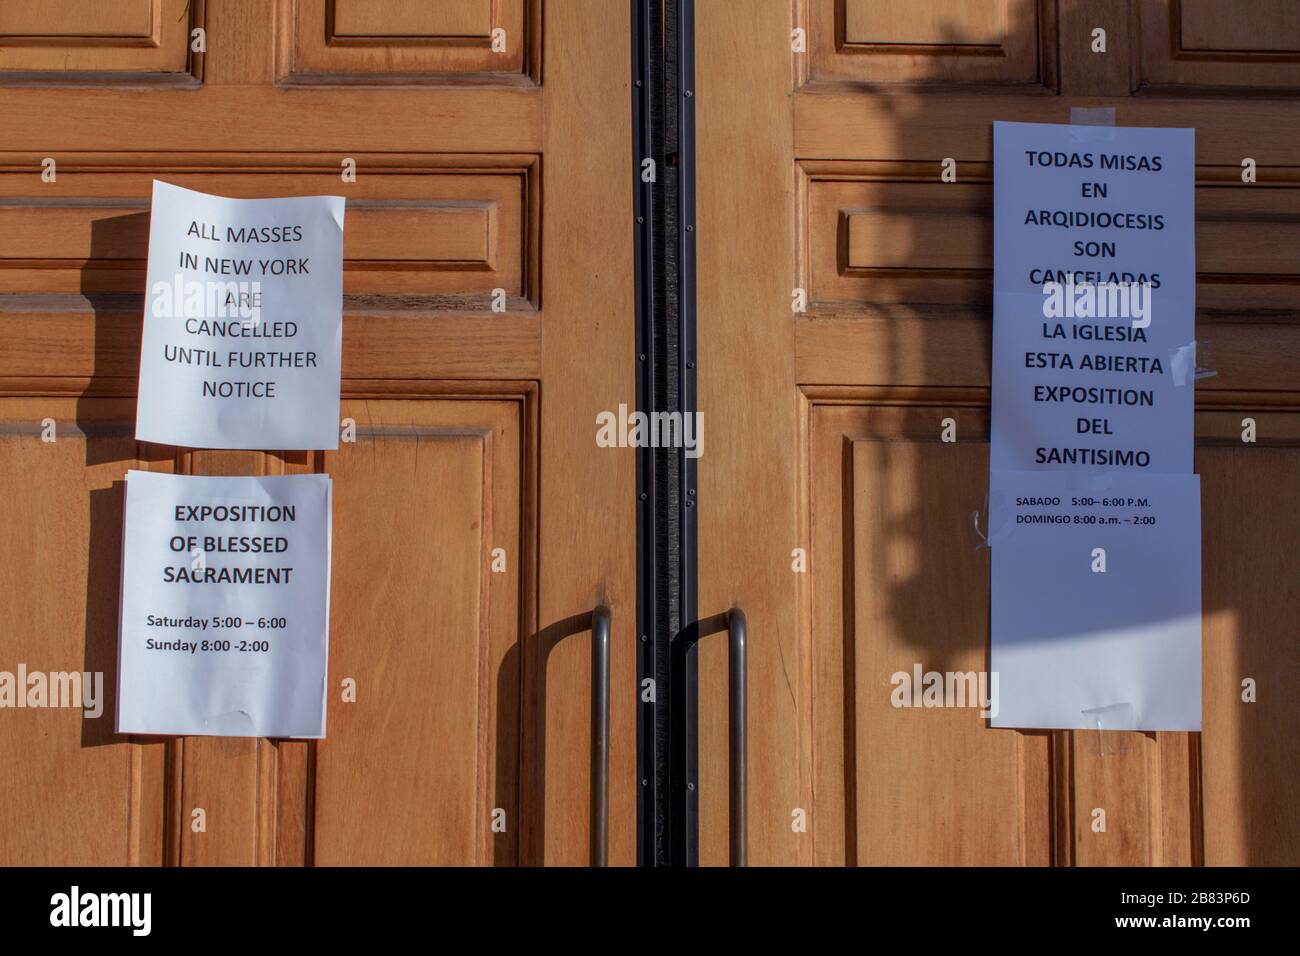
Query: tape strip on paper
x: 1091, y: 124
x: 1092, y: 116
x: 1110, y: 717
x: 994, y: 533
x: 1191, y: 363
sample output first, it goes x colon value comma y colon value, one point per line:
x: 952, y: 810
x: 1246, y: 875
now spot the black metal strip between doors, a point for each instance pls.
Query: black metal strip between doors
x: 663, y: 121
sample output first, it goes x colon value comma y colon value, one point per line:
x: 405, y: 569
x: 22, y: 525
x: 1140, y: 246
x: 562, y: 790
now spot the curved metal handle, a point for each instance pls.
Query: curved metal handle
x: 600, y: 628
x: 736, y: 634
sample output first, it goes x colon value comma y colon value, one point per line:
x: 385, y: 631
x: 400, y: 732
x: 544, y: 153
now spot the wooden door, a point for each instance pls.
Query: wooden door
x: 474, y: 527
x: 822, y: 128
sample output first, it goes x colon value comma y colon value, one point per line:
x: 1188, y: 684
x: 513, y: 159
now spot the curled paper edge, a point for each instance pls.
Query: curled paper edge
x: 1182, y: 363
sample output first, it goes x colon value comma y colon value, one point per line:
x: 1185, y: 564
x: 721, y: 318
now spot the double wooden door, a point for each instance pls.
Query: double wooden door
x: 832, y: 512
x: 487, y: 321
x: 844, y: 297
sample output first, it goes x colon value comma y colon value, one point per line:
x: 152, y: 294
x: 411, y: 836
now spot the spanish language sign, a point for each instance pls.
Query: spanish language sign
x: 243, y: 325
x: 225, y: 605
x: 1096, y: 610
x: 1093, y: 298
x: 1094, y: 513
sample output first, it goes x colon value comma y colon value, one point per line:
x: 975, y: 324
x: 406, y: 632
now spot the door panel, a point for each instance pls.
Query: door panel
x: 830, y: 419
x: 135, y: 40
x: 899, y: 603
x: 350, y: 40
x: 474, y: 528
x: 1204, y: 43
x: 1251, y: 527
x: 439, y: 634
x: 81, y: 792
x: 422, y: 224
x: 869, y: 41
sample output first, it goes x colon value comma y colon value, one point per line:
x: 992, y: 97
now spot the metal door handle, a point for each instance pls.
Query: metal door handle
x: 683, y: 739
x: 600, y: 628
x: 736, y: 633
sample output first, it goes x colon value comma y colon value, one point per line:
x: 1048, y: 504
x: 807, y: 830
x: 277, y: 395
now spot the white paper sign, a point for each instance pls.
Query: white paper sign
x: 1075, y: 647
x: 225, y: 606
x: 1093, y: 298
x: 243, y: 325
x: 1094, y: 514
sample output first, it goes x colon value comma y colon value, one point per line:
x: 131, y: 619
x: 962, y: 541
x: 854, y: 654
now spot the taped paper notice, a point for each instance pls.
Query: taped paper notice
x: 243, y: 325
x: 1077, y: 647
x: 225, y: 604
x: 1093, y: 290
x: 1094, y: 514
